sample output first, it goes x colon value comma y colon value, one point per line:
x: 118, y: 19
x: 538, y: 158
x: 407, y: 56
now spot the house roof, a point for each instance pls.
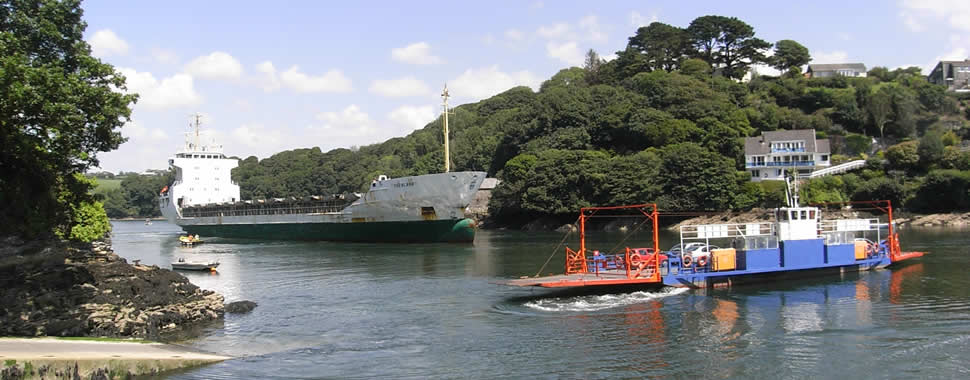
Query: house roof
x: 762, y: 144
x: 966, y: 61
x: 836, y: 66
x: 489, y: 184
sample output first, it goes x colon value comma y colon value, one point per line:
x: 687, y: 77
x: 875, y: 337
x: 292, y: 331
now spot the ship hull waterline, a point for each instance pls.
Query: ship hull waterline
x: 420, y: 231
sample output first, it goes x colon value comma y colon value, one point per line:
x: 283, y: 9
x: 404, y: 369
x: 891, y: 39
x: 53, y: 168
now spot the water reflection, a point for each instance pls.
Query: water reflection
x: 428, y: 311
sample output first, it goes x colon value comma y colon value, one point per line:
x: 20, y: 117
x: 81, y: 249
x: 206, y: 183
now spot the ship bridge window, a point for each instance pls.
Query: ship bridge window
x: 811, y: 214
x: 804, y: 215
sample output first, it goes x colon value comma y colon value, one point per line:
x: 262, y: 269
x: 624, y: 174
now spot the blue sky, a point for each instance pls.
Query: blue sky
x: 268, y: 78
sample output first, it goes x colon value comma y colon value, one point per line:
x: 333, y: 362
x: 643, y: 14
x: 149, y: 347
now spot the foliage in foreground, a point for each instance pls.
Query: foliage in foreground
x: 60, y: 107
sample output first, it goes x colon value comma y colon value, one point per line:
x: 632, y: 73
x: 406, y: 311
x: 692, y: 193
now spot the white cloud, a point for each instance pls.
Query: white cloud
x: 351, y: 116
x: 407, y: 86
x: 218, y: 65
x: 554, y: 31
x: 592, y: 29
x: 258, y: 137
x: 106, y: 43
x: 268, y: 79
x: 488, y: 39
x: 133, y: 130
x: 955, y: 13
x: 838, y: 56
x: 637, y: 20
x: 331, y: 81
x: 164, y: 56
x: 567, y: 52
x: 537, y: 5
x: 412, y: 117
x: 175, y: 91
x: 514, y: 35
x: 480, y: 83
x: 608, y: 57
x: 418, y: 53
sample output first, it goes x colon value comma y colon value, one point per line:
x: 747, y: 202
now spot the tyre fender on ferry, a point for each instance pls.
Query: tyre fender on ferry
x: 702, y: 261
x: 686, y: 259
x: 635, y: 259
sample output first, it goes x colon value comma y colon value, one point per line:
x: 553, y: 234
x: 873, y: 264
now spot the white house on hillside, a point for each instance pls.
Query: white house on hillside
x: 769, y: 156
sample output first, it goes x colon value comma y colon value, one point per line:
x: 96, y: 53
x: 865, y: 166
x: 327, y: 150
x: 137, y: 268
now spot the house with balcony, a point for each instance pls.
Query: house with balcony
x: 825, y: 70
x: 955, y: 75
x: 769, y: 156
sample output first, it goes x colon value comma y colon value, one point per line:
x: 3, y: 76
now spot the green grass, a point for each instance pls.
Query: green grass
x: 106, y: 185
x: 9, y: 362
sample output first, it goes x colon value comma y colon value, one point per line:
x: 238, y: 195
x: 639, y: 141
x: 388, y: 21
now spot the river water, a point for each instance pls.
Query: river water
x: 337, y: 310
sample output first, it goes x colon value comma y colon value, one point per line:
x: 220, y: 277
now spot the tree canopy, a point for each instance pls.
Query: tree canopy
x: 60, y: 107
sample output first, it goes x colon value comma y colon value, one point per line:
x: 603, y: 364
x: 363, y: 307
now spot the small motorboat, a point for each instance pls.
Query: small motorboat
x: 195, y: 265
x: 190, y: 240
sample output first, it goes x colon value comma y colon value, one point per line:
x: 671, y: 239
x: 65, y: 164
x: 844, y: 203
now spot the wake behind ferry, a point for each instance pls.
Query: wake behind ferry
x: 797, y: 242
x: 204, y: 201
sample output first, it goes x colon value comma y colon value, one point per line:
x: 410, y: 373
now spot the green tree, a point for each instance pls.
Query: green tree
x: 727, y: 43
x: 790, y: 54
x: 592, y: 65
x: 60, y: 108
x: 880, y: 108
x: 694, y: 178
x: 660, y: 46
x: 904, y: 156
x: 930, y: 149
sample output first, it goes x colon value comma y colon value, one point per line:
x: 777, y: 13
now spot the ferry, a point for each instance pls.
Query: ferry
x: 204, y: 201
x: 797, y: 242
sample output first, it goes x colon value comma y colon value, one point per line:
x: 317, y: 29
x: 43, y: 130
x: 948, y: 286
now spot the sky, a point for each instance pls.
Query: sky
x: 272, y: 77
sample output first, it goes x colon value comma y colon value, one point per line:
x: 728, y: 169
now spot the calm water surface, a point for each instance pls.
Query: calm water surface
x: 334, y: 310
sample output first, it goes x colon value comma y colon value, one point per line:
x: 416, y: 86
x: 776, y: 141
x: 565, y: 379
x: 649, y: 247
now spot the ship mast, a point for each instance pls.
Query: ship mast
x: 197, y: 117
x: 444, y: 105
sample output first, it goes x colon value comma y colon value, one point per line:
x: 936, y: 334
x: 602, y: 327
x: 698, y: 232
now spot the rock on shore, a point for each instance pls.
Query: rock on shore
x: 72, y: 289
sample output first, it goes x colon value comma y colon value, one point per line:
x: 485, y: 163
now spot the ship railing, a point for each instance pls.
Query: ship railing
x: 845, y: 231
x: 270, y: 208
x: 757, y: 235
x: 635, y: 263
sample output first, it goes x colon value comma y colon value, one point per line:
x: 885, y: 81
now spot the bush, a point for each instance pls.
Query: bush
x: 904, y: 156
x: 943, y: 191
x: 91, y: 222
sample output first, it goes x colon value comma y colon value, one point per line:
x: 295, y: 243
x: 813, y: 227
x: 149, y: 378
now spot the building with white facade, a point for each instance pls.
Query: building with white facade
x: 771, y: 155
x: 825, y: 70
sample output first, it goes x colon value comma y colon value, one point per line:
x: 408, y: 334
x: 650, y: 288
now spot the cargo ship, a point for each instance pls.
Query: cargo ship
x: 204, y: 201
x: 797, y: 242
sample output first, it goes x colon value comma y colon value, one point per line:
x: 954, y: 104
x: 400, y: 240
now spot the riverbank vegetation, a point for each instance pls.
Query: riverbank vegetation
x: 664, y: 122
x: 60, y: 108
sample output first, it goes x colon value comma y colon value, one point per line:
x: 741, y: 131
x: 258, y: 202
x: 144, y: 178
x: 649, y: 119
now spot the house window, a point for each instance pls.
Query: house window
x: 778, y: 172
x: 755, y: 173
x: 825, y: 157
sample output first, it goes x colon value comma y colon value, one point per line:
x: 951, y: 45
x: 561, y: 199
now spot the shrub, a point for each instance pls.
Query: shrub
x: 91, y: 222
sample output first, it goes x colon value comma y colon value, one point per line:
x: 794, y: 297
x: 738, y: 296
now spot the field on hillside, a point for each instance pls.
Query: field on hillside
x: 106, y: 185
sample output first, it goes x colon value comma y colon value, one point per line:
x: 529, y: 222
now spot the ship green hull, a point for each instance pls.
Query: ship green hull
x: 425, y: 231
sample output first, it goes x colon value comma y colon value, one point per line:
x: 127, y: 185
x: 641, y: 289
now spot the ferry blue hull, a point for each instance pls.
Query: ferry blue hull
x: 793, y: 259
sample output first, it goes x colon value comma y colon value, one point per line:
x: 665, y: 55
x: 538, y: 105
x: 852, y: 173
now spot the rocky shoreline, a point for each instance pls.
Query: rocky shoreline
x: 54, y: 288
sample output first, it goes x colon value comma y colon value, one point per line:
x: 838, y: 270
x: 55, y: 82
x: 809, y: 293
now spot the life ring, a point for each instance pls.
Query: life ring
x: 686, y: 259
x: 635, y: 259
x: 702, y: 261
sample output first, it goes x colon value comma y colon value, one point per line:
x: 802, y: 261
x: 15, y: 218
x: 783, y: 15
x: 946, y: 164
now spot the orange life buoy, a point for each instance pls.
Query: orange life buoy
x: 686, y: 260
x: 702, y: 261
x: 635, y: 259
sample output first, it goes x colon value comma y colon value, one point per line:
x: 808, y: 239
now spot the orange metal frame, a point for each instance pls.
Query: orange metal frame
x: 576, y: 260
